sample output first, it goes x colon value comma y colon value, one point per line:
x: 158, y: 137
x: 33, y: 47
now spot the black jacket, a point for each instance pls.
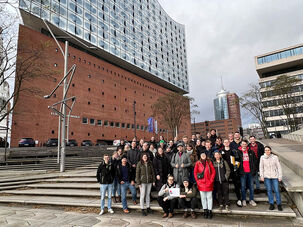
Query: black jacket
x: 212, y: 139
x: 131, y: 173
x: 132, y: 156
x: 222, y: 171
x: 150, y: 155
x: 106, y: 173
x: 161, y: 167
x: 234, y: 145
x: 252, y: 162
x: 260, y: 151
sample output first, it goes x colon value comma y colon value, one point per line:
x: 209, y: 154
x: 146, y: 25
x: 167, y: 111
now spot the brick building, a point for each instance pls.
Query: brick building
x: 105, y: 95
x: 234, y: 108
x: 223, y: 127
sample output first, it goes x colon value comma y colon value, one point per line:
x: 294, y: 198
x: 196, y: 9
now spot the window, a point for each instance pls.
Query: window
x: 99, y: 122
x: 138, y: 126
x: 122, y: 125
x: 133, y: 126
x: 111, y: 124
x: 142, y: 127
x: 128, y: 125
x: 84, y: 120
x: 117, y: 124
x: 92, y: 121
x: 105, y: 123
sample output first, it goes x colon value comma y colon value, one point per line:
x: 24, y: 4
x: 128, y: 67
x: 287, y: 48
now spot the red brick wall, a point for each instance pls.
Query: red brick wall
x: 234, y: 108
x: 96, y: 82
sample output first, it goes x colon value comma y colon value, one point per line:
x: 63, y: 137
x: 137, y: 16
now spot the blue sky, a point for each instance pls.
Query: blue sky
x: 222, y: 38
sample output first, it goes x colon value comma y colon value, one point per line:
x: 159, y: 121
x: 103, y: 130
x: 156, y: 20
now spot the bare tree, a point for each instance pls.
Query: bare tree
x: 284, y: 88
x: 252, y: 102
x: 18, y: 63
x: 172, y: 109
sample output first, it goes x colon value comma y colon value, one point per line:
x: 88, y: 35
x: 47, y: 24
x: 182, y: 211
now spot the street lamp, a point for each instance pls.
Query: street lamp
x: 135, y: 126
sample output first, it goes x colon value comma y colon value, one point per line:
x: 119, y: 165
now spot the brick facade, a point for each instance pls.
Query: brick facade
x: 234, y: 108
x: 104, y: 92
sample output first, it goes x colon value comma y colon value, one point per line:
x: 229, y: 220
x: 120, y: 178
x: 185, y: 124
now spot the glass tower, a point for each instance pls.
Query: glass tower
x: 221, y: 105
x: 138, y: 31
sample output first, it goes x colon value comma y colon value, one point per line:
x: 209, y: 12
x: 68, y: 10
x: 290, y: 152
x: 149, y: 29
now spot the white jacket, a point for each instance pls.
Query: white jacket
x: 270, y: 167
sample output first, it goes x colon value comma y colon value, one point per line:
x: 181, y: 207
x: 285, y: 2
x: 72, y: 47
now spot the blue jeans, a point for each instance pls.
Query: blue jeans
x: 257, y: 181
x: 116, y: 188
x: 124, y: 188
x: 103, y: 189
x: 270, y: 185
x: 247, y: 179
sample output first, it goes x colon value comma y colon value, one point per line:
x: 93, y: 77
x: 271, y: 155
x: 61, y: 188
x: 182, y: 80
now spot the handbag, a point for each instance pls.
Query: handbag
x: 201, y: 175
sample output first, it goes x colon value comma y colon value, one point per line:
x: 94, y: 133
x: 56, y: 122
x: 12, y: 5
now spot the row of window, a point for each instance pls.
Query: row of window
x: 298, y: 88
x: 281, y: 55
x: 118, y: 39
x: 280, y: 112
x: 282, y: 122
x: 277, y: 102
x: 271, y: 82
x: 93, y: 121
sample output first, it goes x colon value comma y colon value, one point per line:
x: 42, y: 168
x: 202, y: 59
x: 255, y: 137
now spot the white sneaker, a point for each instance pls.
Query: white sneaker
x: 244, y: 203
x: 253, y: 203
x: 239, y: 203
x: 111, y: 211
x: 101, y: 212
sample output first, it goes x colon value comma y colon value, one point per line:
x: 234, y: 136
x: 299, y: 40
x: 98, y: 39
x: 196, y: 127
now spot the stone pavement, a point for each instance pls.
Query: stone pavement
x: 49, y: 216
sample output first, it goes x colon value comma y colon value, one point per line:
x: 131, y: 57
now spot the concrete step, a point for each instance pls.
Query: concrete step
x: 75, y: 191
x: 260, y: 210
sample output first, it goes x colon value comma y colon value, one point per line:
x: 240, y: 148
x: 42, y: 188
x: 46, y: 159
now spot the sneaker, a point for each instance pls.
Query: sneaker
x: 126, y: 211
x: 271, y: 207
x: 280, y: 207
x: 244, y: 203
x: 110, y: 211
x: 253, y: 203
x: 135, y: 202
x: 101, y: 212
x: 227, y: 208
x: 149, y: 211
x: 239, y: 203
x: 186, y: 214
x: 193, y: 215
x: 170, y: 215
x: 165, y: 215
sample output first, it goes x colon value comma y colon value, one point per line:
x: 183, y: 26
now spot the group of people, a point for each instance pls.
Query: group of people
x: 184, y: 172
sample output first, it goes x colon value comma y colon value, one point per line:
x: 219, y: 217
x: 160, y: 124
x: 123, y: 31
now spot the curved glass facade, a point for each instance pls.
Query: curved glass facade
x: 137, y: 31
x: 221, y: 106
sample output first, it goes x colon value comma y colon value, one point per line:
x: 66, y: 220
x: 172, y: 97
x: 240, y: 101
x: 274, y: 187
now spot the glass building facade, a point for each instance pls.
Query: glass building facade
x: 138, y: 31
x: 221, y: 106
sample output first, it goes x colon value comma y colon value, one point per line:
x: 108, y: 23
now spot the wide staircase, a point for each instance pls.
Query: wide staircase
x: 78, y: 187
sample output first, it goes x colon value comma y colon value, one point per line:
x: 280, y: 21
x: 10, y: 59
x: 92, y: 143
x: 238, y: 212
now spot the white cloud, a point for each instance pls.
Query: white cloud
x: 223, y: 37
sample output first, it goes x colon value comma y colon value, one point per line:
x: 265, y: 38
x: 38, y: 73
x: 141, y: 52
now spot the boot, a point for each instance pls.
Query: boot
x: 186, y: 214
x: 115, y: 199
x: 210, y: 214
x: 280, y: 207
x: 149, y: 211
x: 205, y: 215
x: 119, y: 199
x: 193, y: 215
x: 143, y: 212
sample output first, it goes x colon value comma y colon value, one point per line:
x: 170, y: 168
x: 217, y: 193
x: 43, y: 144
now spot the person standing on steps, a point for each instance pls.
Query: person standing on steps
x: 145, y: 178
x: 271, y: 174
x: 205, y: 173
x: 247, y: 170
x: 106, y: 176
x: 126, y: 178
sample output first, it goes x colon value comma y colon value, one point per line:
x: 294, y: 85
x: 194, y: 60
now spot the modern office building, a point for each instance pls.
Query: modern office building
x: 125, y: 51
x: 223, y: 127
x: 269, y: 66
x: 226, y: 106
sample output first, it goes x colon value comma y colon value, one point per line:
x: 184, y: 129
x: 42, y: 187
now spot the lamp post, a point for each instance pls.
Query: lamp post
x: 135, y: 126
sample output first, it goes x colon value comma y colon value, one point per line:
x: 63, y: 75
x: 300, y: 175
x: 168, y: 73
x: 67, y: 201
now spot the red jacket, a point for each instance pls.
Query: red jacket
x: 207, y: 183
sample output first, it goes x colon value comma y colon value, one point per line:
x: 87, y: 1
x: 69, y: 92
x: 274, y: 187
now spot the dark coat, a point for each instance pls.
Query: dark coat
x: 260, y: 152
x: 150, y: 155
x: 131, y: 173
x: 105, y: 173
x: 132, y: 156
x: 145, y: 173
x: 234, y: 145
x: 252, y: 162
x: 161, y: 167
x: 222, y: 171
x: 191, y: 187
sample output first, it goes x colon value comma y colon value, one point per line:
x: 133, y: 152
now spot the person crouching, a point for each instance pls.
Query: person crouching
x: 187, y: 199
x: 167, y: 202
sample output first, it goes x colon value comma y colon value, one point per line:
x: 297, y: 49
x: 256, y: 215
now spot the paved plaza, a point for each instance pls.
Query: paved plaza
x: 49, y: 216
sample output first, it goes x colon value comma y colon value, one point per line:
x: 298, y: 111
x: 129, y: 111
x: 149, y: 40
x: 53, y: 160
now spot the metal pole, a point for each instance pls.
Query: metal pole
x: 135, y: 119
x: 63, y: 125
x: 59, y: 138
x: 6, y: 136
x: 195, y: 125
